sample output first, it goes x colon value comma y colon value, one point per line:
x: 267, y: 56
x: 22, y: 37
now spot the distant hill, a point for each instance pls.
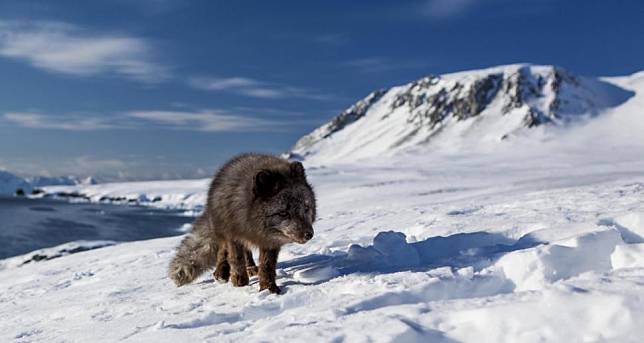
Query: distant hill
x: 460, y: 111
x: 10, y: 183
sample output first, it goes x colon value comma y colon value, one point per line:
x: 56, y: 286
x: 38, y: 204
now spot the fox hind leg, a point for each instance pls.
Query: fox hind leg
x: 222, y: 270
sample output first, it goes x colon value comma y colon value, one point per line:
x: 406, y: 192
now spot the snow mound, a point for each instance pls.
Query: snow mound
x: 628, y: 256
x: 534, y: 268
x: 631, y: 226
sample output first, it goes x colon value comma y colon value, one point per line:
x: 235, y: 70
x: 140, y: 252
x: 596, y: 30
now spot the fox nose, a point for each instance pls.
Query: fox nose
x: 308, y: 235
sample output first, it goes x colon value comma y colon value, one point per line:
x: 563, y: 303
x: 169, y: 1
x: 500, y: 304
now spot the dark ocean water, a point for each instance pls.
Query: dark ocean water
x: 30, y: 224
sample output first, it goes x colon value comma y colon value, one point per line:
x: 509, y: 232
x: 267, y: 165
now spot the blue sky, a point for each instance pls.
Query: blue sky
x: 171, y: 88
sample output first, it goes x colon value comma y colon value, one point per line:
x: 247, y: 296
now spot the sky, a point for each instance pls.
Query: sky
x: 162, y: 89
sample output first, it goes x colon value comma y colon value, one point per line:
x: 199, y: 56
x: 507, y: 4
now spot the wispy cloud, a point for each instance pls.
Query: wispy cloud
x: 208, y: 120
x: 224, y: 83
x: 253, y: 88
x: 104, y: 168
x: 67, y: 122
x: 371, y: 64
x: 204, y: 120
x: 440, y: 9
x: 380, y: 64
x: 68, y: 49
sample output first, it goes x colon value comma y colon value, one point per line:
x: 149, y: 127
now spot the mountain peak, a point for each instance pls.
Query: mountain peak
x: 481, y: 105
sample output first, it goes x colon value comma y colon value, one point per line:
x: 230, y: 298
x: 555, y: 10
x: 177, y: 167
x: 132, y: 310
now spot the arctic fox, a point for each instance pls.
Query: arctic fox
x: 254, y: 201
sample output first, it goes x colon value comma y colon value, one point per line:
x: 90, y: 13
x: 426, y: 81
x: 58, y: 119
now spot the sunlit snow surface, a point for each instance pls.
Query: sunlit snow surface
x: 543, y: 241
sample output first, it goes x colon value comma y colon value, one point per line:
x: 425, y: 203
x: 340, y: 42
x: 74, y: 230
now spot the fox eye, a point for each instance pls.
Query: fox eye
x: 283, y: 214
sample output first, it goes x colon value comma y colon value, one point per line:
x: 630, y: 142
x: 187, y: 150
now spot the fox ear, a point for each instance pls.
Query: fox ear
x: 267, y: 183
x: 297, y: 170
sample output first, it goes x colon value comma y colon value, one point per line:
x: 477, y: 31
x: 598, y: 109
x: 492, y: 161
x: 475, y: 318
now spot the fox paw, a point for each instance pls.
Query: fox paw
x: 272, y: 288
x: 239, y: 280
x: 222, y: 275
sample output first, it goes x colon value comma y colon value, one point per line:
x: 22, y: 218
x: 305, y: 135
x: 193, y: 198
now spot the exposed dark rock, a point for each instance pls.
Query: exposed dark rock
x: 457, y: 100
x: 355, y: 112
x: 37, y: 257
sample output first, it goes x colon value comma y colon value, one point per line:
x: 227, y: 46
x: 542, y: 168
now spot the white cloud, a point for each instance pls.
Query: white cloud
x: 203, y: 120
x: 252, y: 88
x: 67, y: 122
x: 64, y: 48
x: 207, y: 120
x: 381, y: 65
x: 270, y: 93
x: 224, y: 83
x: 446, y: 8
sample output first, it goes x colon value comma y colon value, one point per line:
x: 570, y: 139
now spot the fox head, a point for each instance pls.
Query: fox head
x: 286, y: 202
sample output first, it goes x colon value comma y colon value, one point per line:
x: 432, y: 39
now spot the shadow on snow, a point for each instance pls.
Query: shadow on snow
x: 391, y: 253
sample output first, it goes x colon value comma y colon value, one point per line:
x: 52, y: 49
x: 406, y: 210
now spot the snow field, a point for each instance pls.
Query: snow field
x: 414, y: 249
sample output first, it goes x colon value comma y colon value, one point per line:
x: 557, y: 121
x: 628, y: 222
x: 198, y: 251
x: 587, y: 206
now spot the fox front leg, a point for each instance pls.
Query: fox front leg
x: 251, y: 268
x: 267, y: 265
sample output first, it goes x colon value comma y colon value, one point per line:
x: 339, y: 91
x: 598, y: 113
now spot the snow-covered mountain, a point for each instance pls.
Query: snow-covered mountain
x: 69, y: 180
x: 459, y: 111
x: 9, y: 183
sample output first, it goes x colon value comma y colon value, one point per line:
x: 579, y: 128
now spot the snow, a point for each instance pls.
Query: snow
x: 538, y: 240
x: 628, y: 256
x: 413, y: 248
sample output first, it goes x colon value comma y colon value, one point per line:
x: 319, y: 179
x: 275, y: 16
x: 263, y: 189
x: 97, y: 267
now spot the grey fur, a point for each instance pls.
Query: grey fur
x: 254, y: 201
